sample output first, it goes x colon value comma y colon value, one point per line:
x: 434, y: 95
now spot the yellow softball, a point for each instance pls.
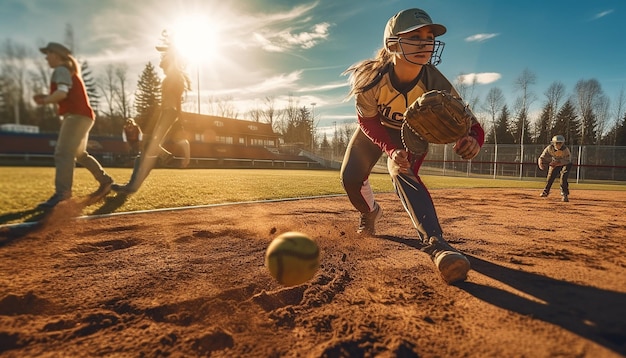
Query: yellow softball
x: 292, y: 258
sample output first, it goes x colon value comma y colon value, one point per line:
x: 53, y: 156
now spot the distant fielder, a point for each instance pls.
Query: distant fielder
x: 558, y: 158
x: 132, y: 135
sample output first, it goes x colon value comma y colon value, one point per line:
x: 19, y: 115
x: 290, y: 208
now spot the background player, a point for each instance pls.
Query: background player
x: 558, y: 158
x: 133, y: 135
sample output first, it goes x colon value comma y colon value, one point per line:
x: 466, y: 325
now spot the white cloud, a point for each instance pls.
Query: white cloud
x: 602, y: 14
x: 479, y: 78
x: 282, y: 81
x: 324, y: 87
x: 480, y: 37
x: 266, y: 43
x: 287, y: 39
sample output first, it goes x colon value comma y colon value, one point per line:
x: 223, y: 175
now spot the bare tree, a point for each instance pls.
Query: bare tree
x: 554, y: 95
x: 493, y: 105
x: 270, y: 111
x: 346, y: 132
x: 109, y: 89
x: 227, y: 108
x: 69, y: 38
x: 602, y: 117
x: 618, y: 111
x: 255, y: 114
x: 527, y: 97
x: 288, y: 117
x: 466, y: 91
x: 522, y: 84
x: 588, y: 98
x: 14, y: 59
x: 222, y: 107
x: 122, y: 95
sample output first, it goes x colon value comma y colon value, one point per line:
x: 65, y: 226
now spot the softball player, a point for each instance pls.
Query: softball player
x: 173, y: 86
x: 383, y: 88
x: 67, y: 91
x: 558, y: 158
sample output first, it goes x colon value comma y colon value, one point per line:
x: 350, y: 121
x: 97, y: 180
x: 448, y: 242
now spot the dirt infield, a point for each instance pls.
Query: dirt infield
x: 548, y: 280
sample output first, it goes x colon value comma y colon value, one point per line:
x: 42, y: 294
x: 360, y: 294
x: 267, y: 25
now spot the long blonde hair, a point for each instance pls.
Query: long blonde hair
x: 365, y: 74
x: 71, y: 63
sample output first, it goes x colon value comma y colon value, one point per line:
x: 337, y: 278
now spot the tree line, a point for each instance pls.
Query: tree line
x: 584, y: 117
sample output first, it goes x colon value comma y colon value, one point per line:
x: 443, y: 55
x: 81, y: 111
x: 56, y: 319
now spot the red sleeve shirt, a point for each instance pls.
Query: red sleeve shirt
x: 77, y: 101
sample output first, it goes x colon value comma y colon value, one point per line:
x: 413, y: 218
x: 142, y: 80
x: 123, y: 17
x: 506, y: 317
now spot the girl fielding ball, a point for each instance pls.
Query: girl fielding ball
x: 292, y: 258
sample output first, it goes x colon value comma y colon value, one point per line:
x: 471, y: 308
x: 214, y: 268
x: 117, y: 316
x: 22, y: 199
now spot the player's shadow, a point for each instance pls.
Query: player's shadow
x: 111, y: 203
x: 592, y: 313
x: 13, y: 233
x: 27, y: 215
x: 33, y: 220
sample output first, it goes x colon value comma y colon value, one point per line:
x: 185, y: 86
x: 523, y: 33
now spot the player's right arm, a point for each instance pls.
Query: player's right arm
x: 544, y: 158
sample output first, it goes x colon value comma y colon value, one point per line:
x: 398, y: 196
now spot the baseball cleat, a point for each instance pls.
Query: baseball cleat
x: 53, y: 201
x: 104, y: 188
x: 123, y: 188
x: 451, y: 264
x: 367, y: 224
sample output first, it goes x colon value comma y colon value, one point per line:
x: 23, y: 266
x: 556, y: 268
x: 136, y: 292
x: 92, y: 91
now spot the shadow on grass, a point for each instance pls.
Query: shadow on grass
x: 29, y: 215
x: 592, y: 313
x: 111, y: 203
x: 31, y: 221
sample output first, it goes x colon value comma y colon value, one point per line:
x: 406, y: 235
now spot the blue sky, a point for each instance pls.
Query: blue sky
x: 289, y: 48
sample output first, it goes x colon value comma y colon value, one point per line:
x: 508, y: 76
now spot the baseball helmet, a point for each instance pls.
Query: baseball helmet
x: 558, y: 139
x: 410, y: 20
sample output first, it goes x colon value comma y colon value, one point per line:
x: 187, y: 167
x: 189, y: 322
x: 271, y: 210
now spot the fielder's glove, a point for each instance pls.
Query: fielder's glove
x: 413, y: 142
x: 542, y: 163
x: 438, y: 117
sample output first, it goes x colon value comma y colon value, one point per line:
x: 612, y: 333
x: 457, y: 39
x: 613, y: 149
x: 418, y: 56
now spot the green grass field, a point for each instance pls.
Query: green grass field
x: 22, y: 188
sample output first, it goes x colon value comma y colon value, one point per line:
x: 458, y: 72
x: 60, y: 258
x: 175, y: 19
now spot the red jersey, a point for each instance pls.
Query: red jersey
x: 76, y: 101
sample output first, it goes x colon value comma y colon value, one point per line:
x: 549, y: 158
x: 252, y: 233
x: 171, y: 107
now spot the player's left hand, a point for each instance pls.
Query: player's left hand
x: 467, y: 147
x: 554, y: 164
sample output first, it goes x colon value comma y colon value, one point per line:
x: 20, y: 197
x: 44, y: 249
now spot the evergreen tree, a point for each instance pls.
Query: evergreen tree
x: 325, y: 146
x: 502, y: 128
x: 567, y: 124
x: 589, y: 128
x: 90, y: 86
x: 3, y: 95
x: 147, y: 96
x: 521, y: 127
x: 543, y: 126
x: 620, y: 132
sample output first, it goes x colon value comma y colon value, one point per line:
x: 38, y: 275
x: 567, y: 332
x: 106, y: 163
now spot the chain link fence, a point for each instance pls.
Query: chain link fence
x: 591, y: 163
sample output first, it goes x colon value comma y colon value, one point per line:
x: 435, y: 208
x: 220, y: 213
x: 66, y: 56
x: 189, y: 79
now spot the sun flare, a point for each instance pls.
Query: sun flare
x: 196, y: 38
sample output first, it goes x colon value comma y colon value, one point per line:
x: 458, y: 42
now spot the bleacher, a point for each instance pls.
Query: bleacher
x: 38, y: 149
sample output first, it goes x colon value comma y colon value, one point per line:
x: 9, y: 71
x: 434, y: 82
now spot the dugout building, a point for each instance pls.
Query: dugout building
x: 216, y: 142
